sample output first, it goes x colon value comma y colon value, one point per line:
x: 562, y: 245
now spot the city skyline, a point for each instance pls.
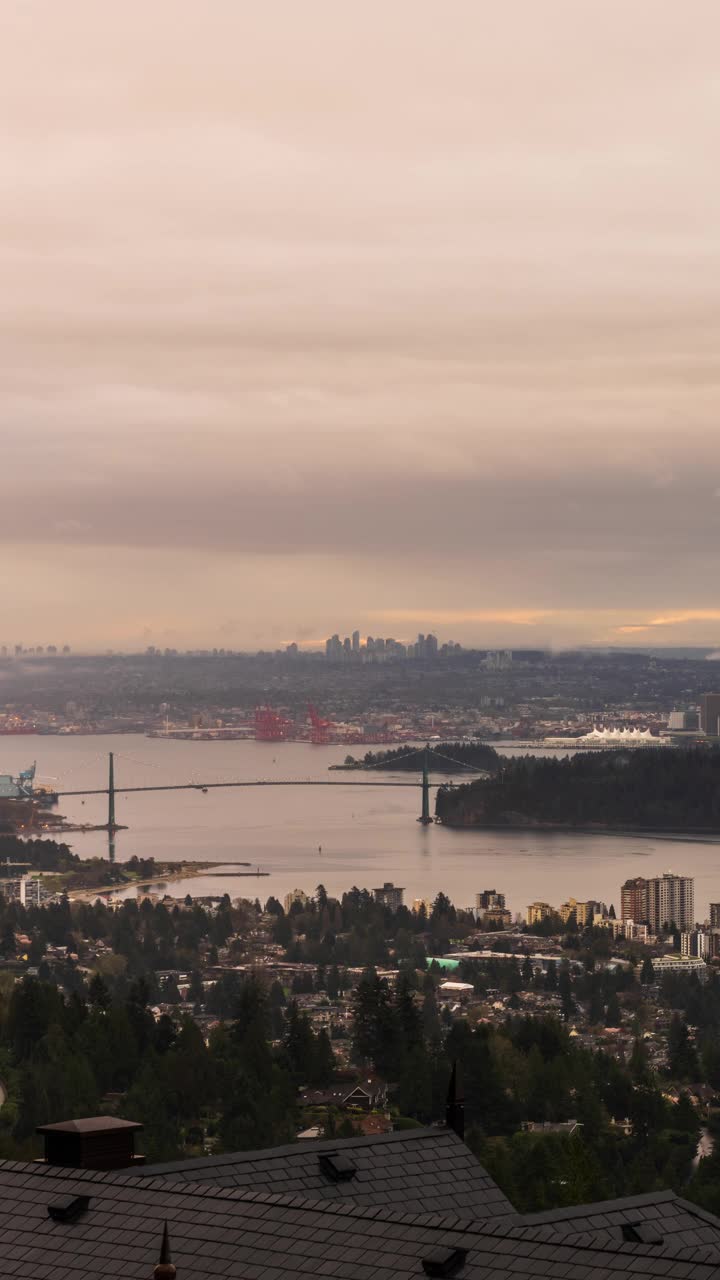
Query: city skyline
x: 318, y: 646
x: 280, y: 352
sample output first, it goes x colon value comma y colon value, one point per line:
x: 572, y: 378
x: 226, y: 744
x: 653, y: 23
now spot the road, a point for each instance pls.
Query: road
x: 704, y: 1148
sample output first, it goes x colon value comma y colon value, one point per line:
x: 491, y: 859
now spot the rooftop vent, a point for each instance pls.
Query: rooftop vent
x: 98, y: 1142
x: 337, y: 1167
x: 641, y: 1233
x: 67, y: 1208
x: 444, y: 1262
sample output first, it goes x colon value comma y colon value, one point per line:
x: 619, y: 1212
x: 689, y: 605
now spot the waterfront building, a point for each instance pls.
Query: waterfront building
x: 695, y: 942
x: 27, y: 890
x: 615, y: 927
x: 629, y: 929
x: 295, y: 895
x: 679, y: 964
x: 634, y: 899
x: 389, y: 895
x: 671, y: 901
x: 617, y: 736
x: 710, y: 714
x: 584, y: 912
x: 682, y: 721
x: 659, y: 902
x: 500, y: 917
x: 539, y: 911
x: 489, y: 898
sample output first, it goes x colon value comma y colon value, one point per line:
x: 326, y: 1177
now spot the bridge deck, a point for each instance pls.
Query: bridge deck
x: 261, y: 782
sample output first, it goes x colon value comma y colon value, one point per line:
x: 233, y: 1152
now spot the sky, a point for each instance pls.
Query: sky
x: 399, y: 316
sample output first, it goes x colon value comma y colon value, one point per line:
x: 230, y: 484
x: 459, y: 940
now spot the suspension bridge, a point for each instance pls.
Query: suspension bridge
x: 423, y: 783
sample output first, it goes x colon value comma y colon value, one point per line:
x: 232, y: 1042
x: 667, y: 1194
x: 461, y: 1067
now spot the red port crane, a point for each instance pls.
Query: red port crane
x: 270, y: 726
x: 320, y: 728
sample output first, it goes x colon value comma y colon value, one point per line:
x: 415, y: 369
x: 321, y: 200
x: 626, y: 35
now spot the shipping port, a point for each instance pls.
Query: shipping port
x: 277, y: 724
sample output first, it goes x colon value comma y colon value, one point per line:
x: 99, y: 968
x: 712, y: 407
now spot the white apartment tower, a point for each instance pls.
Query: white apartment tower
x: 671, y: 900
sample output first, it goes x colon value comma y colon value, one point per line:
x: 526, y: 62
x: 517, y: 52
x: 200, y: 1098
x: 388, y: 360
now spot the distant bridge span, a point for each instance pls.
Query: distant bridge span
x: 260, y: 782
x: 111, y: 789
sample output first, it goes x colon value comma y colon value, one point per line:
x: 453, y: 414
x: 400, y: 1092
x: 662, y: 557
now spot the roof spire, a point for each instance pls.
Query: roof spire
x: 455, y: 1108
x: 164, y: 1269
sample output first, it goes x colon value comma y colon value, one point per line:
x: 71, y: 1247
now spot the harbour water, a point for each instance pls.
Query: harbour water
x: 338, y: 836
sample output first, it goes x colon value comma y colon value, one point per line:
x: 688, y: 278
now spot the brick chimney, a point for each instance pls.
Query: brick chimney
x: 99, y: 1142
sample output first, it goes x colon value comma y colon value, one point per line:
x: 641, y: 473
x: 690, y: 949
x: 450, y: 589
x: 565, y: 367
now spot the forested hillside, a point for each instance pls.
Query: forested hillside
x: 225, y: 1061
x: 443, y: 757
x: 653, y: 788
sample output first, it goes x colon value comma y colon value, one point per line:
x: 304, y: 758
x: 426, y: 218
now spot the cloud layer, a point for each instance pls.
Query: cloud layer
x: 315, y: 312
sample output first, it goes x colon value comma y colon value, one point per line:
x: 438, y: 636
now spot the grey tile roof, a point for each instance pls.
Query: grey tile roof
x: 417, y: 1170
x: 254, y: 1235
x: 686, y: 1229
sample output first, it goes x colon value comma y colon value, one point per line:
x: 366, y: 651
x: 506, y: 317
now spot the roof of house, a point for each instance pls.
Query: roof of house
x: 417, y: 1170
x: 255, y: 1235
x: 685, y: 1228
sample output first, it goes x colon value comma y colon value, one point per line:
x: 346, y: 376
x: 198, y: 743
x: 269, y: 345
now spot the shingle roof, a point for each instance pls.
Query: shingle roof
x: 253, y: 1235
x: 686, y: 1229
x: 417, y: 1170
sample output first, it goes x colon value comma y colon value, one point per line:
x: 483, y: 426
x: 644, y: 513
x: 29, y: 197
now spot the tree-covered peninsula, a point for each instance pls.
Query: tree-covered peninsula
x: 647, y: 789
x: 443, y: 757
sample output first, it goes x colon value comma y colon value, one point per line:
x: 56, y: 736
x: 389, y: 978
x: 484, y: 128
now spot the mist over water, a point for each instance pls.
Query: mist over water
x: 365, y: 835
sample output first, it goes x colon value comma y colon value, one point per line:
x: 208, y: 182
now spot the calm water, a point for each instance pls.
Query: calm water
x: 367, y: 836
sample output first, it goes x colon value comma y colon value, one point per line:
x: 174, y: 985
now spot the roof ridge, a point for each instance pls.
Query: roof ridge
x: 698, y: 1211
x: 132, y: 1178
x: 601, y: 1206
x: 681, y: 1252
x: 507, y: 1227
x: 307, y: 1144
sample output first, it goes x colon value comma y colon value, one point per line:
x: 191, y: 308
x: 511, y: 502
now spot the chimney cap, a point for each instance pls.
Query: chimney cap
x: 91, y: 1124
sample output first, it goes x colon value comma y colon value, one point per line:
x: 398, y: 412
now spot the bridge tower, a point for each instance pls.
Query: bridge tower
x: 111, y: 825
x: 425, y: 817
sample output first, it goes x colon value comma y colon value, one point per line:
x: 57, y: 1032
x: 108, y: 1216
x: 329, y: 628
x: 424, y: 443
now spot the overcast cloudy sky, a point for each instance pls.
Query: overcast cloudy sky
x: 402, y: 314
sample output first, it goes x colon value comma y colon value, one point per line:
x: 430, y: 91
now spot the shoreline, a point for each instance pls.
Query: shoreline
x: 697, y: 835
x: 192, y: 871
